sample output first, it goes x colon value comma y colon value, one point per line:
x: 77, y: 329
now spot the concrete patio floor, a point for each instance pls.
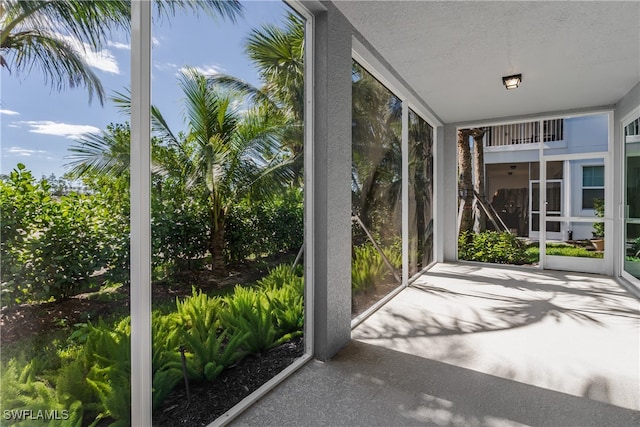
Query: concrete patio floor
x: 478, y: 345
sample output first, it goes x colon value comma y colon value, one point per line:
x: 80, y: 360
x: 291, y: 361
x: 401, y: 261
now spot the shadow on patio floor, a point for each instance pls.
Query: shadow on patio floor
x: 367, y: 385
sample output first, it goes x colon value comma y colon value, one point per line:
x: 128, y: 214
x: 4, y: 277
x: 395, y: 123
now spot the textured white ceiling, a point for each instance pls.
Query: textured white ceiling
x: 571, y: 54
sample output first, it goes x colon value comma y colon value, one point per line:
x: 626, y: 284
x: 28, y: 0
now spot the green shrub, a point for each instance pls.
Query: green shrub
x: 267, y: 228
x: 107, y: 355
x: 367, y: 268
x: 199, y: 312
x: 283, y: 275
x: 57, y: 243
x: 491, y: 246
x: 179, y: 226
x: 598, y: 210
x: 90, y: 377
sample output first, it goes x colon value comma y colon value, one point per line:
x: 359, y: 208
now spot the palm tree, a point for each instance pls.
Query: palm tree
x: 228, y: 153
x: 479, y: 215
x: 465, y: 181
x: 278, y: 54
x: 48, y: 35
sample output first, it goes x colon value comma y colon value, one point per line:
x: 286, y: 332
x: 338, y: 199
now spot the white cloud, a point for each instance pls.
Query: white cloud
x: 155, y: 41
x: 118, y: 45
x: 66, y: 130
x: 23, y: 152
x: 165, y: 66
x: 207, y: 70
x: 102, y: 60
x: 9, y: 112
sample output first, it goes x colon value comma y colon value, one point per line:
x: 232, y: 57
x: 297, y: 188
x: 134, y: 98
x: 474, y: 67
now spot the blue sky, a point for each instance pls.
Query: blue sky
x: 38, y: 124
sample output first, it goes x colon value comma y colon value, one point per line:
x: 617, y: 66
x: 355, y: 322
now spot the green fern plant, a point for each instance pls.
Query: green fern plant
x: 100, y: 375
x: 212, y: 350
x: 199, y: 312
x: 287, y: 305
x: 22, y: 390
x: 282, y: 275
x: 248, y: 311
x: 394, y: 254
x: 166, y: 359
x: 216, y: 353
x: 367, y: 268
x: 283, y: 288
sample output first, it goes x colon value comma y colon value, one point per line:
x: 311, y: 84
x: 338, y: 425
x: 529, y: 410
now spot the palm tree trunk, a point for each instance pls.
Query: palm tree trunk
x: 479, y: 215
x: 465, y: 184
x: 216, y: 243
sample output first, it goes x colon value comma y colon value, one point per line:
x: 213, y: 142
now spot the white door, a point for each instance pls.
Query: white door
x: 554, y: 208
x: 576, y: 211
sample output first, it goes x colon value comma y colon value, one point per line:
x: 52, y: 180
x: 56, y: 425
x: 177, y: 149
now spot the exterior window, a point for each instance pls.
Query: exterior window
x: 376, y: 190
x: 592, y: 185
x: 420, y: 193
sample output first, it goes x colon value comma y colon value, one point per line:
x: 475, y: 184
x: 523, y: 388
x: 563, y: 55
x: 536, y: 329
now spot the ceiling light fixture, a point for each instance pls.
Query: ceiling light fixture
x: 512, y: 82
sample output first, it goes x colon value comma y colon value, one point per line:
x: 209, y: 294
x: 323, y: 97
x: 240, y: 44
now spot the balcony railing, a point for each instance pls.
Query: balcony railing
x: 524, y: 133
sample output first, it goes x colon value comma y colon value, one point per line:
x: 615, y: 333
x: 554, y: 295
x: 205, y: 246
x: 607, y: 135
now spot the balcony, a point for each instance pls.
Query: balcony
x: 524, y: 135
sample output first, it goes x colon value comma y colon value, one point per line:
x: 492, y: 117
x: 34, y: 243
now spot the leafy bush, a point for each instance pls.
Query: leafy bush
x: 393, y: 253
x: 262, y: 229
x: 281, y: 276
x: 491, y: 246
x: 598, y: 209
x: 52, y: 246
x: 179, y: 226
x: 92, y: 375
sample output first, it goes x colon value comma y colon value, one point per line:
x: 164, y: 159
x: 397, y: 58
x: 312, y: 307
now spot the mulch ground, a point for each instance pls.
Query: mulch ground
x: 210, y: 400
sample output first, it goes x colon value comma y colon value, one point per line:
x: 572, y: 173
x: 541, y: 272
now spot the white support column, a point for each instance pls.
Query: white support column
x: 309, y: 172
x: 568, y: 194
x: 405, y: 192
x: 614, y: 253
x: 542, y: 187
x: 140, y: 213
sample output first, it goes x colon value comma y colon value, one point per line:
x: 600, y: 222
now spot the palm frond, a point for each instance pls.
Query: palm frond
x: 122, y: 101
x: 33, y: 31
x: 60, y: 63
x: 106, y: 153
x: 236, y: 85
x: 228, y: 9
